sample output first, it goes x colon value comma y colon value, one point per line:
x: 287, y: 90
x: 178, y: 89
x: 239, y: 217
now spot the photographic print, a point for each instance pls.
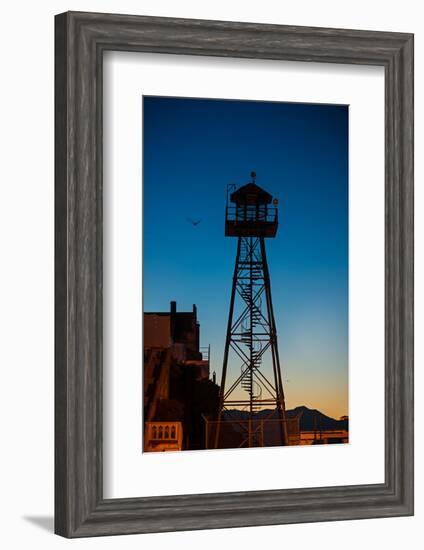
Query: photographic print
x: 245, y: 274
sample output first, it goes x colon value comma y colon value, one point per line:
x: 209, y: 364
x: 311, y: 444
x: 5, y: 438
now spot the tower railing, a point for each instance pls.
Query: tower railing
x: 237, y: 213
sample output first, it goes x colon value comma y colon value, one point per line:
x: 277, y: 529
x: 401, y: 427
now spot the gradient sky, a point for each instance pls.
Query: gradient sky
x: 192, y: 149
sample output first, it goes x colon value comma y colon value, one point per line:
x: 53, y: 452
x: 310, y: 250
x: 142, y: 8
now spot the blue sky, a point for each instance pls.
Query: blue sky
x: 193, y: 148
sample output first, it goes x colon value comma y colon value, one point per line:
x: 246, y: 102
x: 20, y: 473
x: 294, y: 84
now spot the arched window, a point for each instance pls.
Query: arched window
x: 166, y: 432
x: 154, y: 432
x: 160, y: 432
x: 173, y: 432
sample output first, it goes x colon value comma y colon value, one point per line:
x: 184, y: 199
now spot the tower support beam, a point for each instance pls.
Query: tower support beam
x: 251, y: 349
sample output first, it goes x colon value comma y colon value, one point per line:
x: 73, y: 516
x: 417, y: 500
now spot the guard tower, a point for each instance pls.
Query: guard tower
x: 251, y: 374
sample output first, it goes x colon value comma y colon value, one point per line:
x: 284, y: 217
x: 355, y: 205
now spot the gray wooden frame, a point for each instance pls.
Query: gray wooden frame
x: 80, y: 40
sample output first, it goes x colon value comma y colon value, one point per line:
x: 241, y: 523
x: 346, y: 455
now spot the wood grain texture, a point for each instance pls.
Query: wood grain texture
x: 81, y: 39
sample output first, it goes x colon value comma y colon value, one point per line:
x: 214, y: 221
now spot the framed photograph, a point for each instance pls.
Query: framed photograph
x: 234, y: 274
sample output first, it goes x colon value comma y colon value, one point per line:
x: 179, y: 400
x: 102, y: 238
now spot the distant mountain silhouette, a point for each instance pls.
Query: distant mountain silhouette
x: 310, y: 419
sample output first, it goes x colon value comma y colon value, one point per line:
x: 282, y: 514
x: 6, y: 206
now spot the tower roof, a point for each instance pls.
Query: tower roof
x: 250, y: 194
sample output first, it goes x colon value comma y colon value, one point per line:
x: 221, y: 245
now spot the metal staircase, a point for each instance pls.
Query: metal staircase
x: 252, y: 274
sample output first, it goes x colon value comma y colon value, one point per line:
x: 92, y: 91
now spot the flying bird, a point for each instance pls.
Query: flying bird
x: 193, y: 222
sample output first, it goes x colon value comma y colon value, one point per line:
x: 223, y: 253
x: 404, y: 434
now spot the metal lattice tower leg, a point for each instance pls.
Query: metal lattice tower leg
x: 251, y: 334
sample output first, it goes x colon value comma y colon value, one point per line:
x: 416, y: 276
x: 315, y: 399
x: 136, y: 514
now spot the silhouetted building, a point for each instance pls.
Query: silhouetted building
x: 174, y: 329
x: 177, y: 389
